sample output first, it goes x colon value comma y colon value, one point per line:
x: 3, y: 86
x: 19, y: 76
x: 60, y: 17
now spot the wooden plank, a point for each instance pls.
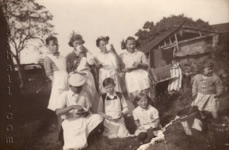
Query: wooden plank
x: 176, y: 41
x: 197, y: 38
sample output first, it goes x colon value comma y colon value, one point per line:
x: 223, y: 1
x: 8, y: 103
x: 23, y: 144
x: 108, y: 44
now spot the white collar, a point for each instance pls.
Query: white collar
x: 111, y: 96
x: 145, y: 109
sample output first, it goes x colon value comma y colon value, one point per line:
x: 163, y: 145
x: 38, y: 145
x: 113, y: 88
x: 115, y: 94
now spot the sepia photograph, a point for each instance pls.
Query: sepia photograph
x: 114, y: 75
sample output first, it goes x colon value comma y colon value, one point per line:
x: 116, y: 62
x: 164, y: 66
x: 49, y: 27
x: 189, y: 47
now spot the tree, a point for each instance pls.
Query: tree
x: 28, y: 22
x: 151, y: 30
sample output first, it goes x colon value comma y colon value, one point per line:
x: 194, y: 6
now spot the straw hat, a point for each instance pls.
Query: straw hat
x: 76, y: 79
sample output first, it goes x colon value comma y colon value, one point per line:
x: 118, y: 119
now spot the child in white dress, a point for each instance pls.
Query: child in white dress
x: 146, y: 118
x: 112, y: 106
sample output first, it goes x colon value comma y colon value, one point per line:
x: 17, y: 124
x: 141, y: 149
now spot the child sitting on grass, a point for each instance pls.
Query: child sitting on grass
x: 113, y: 106
x: 206, y: 89
x: 146, y: 118
x: 73, y: 106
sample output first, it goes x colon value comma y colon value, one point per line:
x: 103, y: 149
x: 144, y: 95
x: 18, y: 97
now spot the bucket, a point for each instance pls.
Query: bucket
x: 191, y: 120
x: 218, y: 132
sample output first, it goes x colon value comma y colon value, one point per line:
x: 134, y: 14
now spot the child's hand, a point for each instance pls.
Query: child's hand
x: 99, y: 66
x: 126, y: 70
x: 136, y: 64
x: 108, y: 117
x: 78, y: 107
x: 217, y: 96
x: 194, y: 96
x: 141, y: 127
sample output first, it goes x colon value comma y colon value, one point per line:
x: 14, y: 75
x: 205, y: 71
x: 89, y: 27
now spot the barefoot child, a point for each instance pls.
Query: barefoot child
x: 73, y: 107
x: 206, y: 89
x: 113, y: 107
x: 146, y: 119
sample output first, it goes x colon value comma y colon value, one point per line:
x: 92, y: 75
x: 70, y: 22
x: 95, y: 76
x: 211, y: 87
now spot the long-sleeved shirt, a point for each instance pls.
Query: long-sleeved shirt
x: 207, y: 85
x: 49, y: 66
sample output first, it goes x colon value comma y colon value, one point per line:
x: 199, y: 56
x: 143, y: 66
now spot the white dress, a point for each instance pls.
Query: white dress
x: 109, y: 70
x: 76, y: 130
x: 60, y: 80
x: 145, y: 118
x: 136, y: 80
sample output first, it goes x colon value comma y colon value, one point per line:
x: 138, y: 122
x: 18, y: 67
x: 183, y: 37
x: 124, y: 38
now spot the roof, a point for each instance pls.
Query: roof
x: 158, y: 39
x: 221, y: 28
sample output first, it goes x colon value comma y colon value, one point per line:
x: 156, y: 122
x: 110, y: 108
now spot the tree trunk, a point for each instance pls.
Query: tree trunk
x: 20, y: 74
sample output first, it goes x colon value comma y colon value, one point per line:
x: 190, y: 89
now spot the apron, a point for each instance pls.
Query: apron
x: 76, y: 130
x: 60, y: 81
x: 137, y: 80
x: 114, y: 128
x: 108, y: 70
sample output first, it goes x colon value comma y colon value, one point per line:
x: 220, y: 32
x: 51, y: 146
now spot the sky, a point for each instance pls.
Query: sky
x: 119, y: 19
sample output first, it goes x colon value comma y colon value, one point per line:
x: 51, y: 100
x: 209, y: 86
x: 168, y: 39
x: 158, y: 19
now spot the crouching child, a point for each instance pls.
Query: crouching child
x: 113, y: 107
x: 146, y: 118
x: 78, y: 121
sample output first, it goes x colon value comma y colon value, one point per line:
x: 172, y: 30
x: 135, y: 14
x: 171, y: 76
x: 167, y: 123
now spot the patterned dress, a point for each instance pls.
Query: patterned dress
x: 205, y: 88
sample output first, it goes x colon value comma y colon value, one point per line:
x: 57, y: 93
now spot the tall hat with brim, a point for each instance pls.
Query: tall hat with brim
x: 76, y: 80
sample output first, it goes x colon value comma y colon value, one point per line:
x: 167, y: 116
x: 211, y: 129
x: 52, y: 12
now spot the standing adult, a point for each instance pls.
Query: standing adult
x: 55, y: 68
x: 78, y: 61
x: 108, y: 63
x: 135, y: 68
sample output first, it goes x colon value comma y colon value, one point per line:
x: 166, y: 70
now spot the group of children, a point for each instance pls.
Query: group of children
x: 78, y: 122
x: 83, y: 106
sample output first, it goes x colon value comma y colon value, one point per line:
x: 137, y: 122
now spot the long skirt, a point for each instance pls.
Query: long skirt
x: 77, y: 130
x: 59, y: 85
x: 91, y: 91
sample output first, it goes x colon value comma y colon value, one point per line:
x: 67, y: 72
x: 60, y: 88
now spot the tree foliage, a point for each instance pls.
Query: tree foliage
x: 150, y: 30
x: 28, y: 22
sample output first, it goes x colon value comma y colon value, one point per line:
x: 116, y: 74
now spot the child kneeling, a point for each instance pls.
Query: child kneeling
x: 113, y: 106
x: 146, y: 118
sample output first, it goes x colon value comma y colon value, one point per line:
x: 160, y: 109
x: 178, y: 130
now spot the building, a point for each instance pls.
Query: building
x: 185, y: 43
x: 223, y: 30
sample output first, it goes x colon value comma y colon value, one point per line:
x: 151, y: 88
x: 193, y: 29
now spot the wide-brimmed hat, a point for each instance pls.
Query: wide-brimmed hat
x: 76, y: 79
